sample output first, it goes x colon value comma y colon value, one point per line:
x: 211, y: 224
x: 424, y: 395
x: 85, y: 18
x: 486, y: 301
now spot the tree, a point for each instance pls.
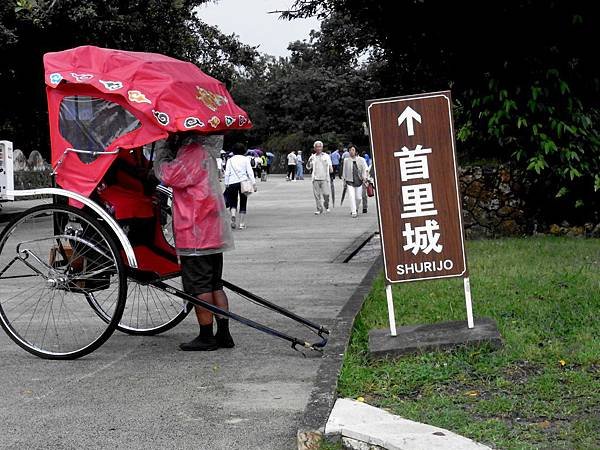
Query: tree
x: 30, y: 28
x: 523, y: 75
x: 317, y: 91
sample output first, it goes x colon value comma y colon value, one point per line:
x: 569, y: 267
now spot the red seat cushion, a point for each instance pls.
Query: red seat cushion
x: 126, y: 203
x: 153, y: 262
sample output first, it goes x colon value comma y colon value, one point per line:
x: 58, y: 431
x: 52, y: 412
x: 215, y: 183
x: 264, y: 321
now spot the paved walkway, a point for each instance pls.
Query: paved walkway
x: 141, y: 392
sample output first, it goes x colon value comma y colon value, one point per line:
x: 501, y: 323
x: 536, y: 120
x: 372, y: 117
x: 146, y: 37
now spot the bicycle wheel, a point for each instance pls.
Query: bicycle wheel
x: 51, y: 258
x: 149, y: 310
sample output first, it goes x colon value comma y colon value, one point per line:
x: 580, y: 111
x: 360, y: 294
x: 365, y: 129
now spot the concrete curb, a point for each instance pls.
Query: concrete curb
x: 362, y: 426
x: 323, y: 396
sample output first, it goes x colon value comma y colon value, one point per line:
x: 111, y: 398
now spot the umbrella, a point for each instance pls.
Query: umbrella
x: 332, y: 193
x: 258, y: 151
x: 343, y: 193
x: 251, y: 153
x: 270, y: 154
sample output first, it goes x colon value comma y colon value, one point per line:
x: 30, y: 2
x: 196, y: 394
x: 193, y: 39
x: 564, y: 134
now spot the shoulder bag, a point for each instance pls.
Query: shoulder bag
x: 246, y: 186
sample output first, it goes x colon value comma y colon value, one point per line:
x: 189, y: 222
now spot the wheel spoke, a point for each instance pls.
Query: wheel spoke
x: 51, y: 317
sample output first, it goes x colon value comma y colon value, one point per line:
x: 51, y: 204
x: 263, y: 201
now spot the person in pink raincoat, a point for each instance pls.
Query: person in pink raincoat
x: 186, y: 162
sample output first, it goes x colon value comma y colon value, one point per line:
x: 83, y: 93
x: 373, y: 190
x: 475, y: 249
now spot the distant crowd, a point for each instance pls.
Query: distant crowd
x: 241, y: 168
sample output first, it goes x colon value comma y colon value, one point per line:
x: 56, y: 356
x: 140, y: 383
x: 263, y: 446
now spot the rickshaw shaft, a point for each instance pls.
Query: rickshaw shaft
x: 216, y: 310
x: 273, y: 306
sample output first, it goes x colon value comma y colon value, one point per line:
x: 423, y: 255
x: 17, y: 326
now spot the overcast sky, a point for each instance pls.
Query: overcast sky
x: 251, y: 21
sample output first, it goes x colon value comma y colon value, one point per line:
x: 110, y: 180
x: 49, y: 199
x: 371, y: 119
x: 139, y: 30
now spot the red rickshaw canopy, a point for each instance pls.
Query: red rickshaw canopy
x: 175, y: 94
x: 102, y: 99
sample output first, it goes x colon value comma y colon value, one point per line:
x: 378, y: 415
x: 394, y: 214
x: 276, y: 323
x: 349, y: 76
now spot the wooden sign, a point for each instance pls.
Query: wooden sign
x: 413, y: 147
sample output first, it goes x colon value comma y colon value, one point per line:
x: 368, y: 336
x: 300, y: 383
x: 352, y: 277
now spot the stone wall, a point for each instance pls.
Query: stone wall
x: 493, y: 202
x: 32, y: 172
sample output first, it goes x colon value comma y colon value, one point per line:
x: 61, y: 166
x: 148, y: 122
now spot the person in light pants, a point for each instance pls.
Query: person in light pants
x: 354, y: 175
x: 320, y: 164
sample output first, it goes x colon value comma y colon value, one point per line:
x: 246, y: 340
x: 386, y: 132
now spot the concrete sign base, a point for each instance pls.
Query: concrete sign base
x: 439, y: 336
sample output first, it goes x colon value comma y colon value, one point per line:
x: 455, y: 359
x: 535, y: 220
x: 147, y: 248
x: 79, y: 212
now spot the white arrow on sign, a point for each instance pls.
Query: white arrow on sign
x: 409, y: 115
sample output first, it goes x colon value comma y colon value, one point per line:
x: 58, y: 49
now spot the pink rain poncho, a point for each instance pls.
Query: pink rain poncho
x: 199, y: 215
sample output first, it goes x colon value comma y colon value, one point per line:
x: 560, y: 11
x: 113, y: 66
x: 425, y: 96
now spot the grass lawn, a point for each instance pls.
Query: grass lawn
x: 541, y: 390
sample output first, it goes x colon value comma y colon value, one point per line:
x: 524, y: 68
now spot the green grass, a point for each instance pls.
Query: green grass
x: 541, y: 390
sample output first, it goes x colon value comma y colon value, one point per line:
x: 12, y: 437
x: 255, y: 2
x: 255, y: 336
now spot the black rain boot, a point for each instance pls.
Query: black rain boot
x: 205, y: 342
x: 224, y: 339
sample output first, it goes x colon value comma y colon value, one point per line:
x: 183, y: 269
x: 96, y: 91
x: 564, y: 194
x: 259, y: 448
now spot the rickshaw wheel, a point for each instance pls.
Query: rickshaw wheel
x: 51, y: 258
x: 148, y: 310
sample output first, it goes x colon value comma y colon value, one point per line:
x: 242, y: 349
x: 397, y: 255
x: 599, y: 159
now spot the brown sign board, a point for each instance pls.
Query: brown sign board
x: 413, y: 147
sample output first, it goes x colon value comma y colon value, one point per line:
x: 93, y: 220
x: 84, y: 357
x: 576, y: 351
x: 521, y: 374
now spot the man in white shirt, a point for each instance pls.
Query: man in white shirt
x: 321, y: 166
x: 291, y: 161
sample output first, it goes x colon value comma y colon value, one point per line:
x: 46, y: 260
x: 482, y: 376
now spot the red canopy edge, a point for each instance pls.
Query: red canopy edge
x: 175, y: 95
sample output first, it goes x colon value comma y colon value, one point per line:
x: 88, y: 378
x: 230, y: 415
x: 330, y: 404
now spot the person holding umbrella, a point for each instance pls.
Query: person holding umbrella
x: 270, y: 157
x: 354, y: 175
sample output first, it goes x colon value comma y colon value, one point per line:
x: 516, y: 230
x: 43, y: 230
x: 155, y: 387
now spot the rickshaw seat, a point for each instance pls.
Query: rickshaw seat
x: 125, y: 193
x: 151, y: 261
x: 127, y: 203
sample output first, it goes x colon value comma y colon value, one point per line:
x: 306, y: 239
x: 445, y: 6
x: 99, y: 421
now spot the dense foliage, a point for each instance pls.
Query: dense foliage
x: 523, y: 75
x: 30, y: 28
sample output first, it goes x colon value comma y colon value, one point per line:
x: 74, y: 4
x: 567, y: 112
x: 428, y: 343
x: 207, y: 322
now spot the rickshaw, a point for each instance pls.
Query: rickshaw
x: 100, y: 256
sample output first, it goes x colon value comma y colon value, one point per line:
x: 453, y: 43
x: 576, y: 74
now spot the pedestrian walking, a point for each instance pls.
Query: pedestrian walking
x: 238, y: 170
x: 354, y: 175
x: 257, y: 167
x: 321, y: 166
x: 299, y: 166
x: 263, y: 167
x: 365, y: 197
x: 270, y: 157
x: 335, y: 162
x: 187, y: 163
x: 291, y: 161
x: 367, y: 158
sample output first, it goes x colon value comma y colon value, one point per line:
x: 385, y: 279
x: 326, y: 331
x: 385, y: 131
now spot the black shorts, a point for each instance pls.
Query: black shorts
x: 202, y: 274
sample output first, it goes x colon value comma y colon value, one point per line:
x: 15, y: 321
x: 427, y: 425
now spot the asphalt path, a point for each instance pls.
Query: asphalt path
x: 142, y: 392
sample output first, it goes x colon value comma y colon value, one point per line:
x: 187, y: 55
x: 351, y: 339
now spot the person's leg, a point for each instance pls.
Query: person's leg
x: 196, y: 276
x: 205, y: 317
x: 232, y: 192
x: 243, y: 205
x: 317, y: 194
x: 364, y: 200
x: 223, y: 337
x: 293, y: 174
x: 352, y: 195
x: 326, y: 191
x: 359, y: 195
